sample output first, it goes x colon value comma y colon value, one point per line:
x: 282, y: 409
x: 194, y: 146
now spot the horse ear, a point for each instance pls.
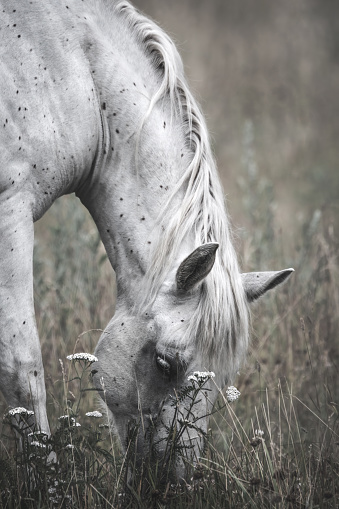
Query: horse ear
x: 196, y: 266
x: 257, y: 283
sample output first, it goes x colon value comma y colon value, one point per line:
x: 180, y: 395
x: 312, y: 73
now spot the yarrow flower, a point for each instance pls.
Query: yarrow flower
x: 94, y: 414
x: 232, y: 393
x: 87, y: 357
x: 38, y: 444
x: 72, y: 421
x: 201, y: 376
x: 38, y: 435
x: 259, y: 433
x: 20, y: 411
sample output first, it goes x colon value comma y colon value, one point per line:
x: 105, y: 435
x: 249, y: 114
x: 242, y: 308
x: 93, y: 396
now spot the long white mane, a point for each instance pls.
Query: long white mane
x: 220, y: 325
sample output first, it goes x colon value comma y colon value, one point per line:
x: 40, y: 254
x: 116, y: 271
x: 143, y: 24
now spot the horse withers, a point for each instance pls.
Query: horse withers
x: 94, y: 101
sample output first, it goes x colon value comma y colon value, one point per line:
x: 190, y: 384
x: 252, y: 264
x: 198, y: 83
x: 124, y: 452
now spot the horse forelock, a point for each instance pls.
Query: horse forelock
x: 221, y: 321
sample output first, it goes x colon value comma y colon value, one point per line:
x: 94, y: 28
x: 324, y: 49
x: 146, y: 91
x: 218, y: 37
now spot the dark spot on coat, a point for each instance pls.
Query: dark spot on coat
x: 35, y: 373
x: 117, y: 131
x: 103, y: 106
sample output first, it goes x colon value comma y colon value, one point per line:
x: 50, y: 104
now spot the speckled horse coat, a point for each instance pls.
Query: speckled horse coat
x: 94, y: 101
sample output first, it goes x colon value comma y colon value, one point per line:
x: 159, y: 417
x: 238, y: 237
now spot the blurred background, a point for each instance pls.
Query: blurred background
x: 267, y: 77
x: 273, y: 65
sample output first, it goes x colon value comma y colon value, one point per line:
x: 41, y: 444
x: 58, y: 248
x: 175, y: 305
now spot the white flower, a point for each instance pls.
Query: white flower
x: 259, y: 433
x: 94, y: 414
x: 39, y: 436
x: 38, y: 444
x: 20, y: 411
x: 201, y: 376
x: 71, y: 420
x: 87, y: 357
x: 103, y: 426
x: 69, y: 446
x: 232, y: 393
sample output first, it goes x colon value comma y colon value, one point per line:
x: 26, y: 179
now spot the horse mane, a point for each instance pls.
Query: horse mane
x: 221, y: 321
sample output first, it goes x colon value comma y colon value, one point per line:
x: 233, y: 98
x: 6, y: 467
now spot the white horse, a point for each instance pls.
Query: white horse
x: 94, y: 101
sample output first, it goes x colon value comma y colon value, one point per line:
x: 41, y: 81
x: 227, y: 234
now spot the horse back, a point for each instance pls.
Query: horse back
x: 48, y: 106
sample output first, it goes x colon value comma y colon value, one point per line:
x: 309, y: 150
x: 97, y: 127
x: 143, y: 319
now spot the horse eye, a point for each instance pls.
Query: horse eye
x: 163, y: 365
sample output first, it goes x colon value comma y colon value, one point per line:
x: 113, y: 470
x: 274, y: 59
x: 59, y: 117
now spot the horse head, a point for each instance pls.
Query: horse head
x: 152, y: 374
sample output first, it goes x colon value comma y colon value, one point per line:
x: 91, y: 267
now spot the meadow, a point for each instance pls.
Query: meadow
x: 267, y: 78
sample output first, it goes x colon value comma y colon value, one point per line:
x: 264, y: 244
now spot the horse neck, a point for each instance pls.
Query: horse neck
x: 138, y: 166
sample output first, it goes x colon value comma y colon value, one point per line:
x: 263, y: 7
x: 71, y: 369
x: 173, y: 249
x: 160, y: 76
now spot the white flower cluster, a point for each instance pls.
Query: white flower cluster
x: 259, y: 433
x: 69, y: 446
x: 38, y: 435
x: 87, y: 357
x: 201, y: 376
x: 20, y: 411
x: 232, y: 393
x: 38, y: 444
x: 72, y: 421
x: 94, y: 414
